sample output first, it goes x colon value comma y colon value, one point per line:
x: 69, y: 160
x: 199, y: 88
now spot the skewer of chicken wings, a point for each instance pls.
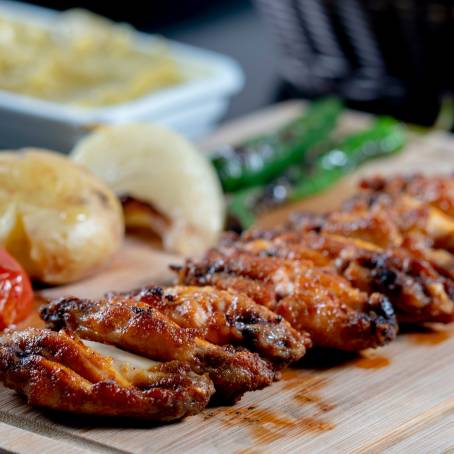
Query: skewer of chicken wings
x: 416, y: 290
x: 224, y: 317
x: 57, y: 371
x: 312, y: 299
x: 139, y: 328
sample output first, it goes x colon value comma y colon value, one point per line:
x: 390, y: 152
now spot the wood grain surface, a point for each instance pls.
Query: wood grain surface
x: 396, y: 399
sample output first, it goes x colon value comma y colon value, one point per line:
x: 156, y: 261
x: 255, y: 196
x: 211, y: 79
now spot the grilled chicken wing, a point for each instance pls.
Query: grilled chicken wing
x: 223, y: 317
x: 441, y: 260
x: 417, y: 231
x: 422, y: 208
x: 140, y: 328
x: 314, y: 300
x: 372, y: 227
x: 386, y: 220
x: 410, y: 216
x: 417, y: 291
x: 55, y: 370
x: 437, y: 191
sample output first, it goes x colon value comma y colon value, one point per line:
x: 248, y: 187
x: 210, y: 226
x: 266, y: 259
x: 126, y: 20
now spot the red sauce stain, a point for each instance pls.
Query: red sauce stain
x: 306, y: 389
x: 315, y: 425
x: 291, y: 374
x: 266, y: 426
x: 372, y: 362
x: 304, y: 398
x: 248, y: 451
x: 429, y: 337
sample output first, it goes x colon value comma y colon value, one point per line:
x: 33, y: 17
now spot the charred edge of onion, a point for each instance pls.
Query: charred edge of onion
x: 143, y: 218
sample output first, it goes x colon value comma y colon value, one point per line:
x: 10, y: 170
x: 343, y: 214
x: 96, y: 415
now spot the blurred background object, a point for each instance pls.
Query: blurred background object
x: 230, y: 27
x: 69, y: 72
x: 382, y: 56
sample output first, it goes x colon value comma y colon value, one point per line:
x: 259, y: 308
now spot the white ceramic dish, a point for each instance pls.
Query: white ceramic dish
x: 192, y: 108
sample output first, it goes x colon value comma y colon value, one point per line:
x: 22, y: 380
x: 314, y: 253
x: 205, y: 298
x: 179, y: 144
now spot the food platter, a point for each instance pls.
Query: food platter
x: 398, y: 398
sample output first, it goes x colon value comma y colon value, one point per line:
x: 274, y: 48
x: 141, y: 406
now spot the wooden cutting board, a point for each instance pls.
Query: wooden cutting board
x: 396, y: 399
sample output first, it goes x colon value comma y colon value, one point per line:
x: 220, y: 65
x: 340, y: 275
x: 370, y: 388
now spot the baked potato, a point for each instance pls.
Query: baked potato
x: 57, y: 219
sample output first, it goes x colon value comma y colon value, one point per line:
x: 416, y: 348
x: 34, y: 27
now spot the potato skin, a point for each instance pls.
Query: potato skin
x: 56, y: 218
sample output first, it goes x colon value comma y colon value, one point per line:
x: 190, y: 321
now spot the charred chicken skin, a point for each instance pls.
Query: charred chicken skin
x: 422, y: 233
x: 436, y: 191
x: 224, y: 317
x: 57, y: 371
x: 385, y: 219
x: 139, y: 328
x: 417, y: 291
x: 410, y: 215
x: 426, y: 209
x: 312, y: 299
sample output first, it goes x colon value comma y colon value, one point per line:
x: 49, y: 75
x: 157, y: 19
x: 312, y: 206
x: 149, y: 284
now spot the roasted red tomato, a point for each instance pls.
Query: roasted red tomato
x: 16, y: 294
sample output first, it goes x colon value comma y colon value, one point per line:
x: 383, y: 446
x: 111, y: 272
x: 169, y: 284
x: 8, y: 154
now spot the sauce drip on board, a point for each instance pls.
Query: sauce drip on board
x: 372, y: 362
x: 429, y: 337
x: 266, y: 425
x: 306, y: 389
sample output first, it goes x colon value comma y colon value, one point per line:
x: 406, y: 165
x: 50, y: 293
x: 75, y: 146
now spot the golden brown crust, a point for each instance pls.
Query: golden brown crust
x: 55, y: 370
x: 224, y: 317
x: 403, y: 223
x: 416, y: 290
x: 312, y: 299
x: 410, y: 220
x: 408, y: 215
x: 438, y: 191
x: 134, y: 326
x: 386, y: 220
x: 423, y: 209
x: 375, y: 227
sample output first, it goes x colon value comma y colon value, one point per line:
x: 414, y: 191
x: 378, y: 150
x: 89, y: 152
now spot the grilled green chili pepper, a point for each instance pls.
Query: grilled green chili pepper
x: 259, y: 160
x: 384, y: 137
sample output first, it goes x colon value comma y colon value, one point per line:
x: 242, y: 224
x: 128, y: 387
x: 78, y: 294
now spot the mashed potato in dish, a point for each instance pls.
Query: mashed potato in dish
x: 83, y: 59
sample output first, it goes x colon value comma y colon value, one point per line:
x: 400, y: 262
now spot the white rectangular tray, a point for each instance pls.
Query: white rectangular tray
x: 191, y: 108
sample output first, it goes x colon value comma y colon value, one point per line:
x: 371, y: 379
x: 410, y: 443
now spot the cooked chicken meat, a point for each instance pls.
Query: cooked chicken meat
x: 421, y: 232
x: 410, y: 216
x: 312, y: 299
x: 417, y: 291
x: 55, y: 370
x: 429, y: 224
x: 437, y: 191
x: 223, y: 317
x: 139, y: 328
